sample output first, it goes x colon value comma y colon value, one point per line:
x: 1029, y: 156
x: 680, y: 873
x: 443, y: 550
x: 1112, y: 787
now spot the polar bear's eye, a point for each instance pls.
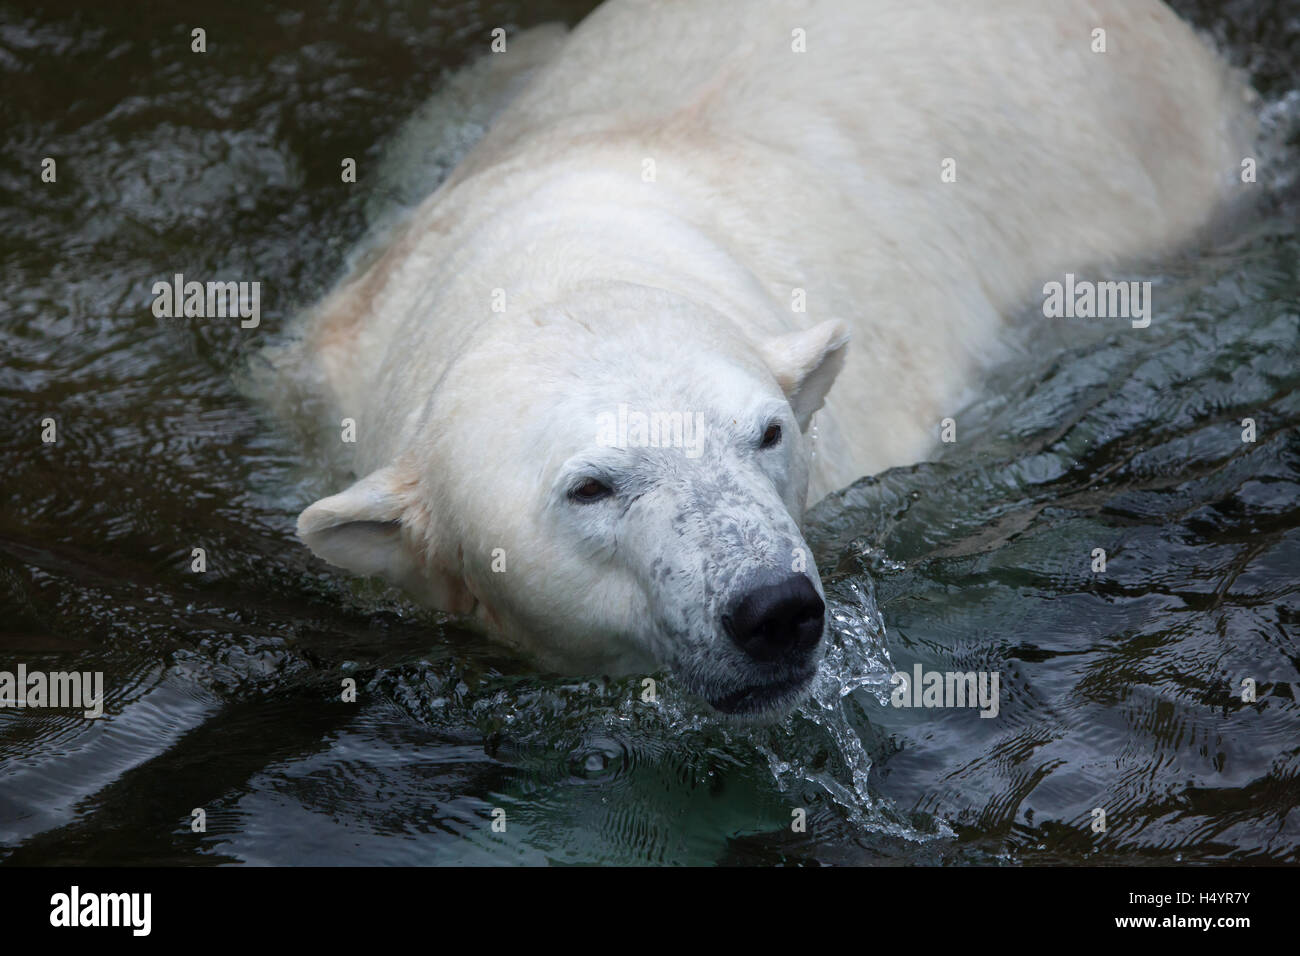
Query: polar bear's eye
x: 772, y: 436
x: 590, y: 490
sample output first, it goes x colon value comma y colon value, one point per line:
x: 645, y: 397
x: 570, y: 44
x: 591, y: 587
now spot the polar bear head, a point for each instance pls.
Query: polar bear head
x: 613, y: 487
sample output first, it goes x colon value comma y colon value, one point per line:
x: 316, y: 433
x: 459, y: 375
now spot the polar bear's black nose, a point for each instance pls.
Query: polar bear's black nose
x: 779, y: 620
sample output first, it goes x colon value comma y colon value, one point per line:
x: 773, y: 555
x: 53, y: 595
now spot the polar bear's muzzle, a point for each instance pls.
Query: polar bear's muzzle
x: 777, y: 625
x: 777, y: 622
x: 739, y: 613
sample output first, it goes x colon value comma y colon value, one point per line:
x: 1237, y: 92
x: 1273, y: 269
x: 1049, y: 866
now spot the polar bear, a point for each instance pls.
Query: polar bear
x: 587, y: 371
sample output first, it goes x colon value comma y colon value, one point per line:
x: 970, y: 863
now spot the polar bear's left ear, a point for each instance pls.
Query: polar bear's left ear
x: 378, y: 528
x: 805, y: 364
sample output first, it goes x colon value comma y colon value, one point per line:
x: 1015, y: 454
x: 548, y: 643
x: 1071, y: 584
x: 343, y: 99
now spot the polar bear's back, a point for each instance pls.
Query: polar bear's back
x: 808, y: 140
x: 822, y: 169
x: 1012, y: 89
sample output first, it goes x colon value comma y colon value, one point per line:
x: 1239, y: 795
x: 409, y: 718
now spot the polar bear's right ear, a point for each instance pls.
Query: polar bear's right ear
x: 377, y: 528
x: 805, y: 364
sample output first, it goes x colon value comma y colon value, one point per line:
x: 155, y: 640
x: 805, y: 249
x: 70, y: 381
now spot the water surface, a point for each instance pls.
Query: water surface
x: 1118, y: 690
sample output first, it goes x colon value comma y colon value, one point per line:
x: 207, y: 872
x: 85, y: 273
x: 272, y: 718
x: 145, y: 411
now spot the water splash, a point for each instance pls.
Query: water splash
x: 824, y: 744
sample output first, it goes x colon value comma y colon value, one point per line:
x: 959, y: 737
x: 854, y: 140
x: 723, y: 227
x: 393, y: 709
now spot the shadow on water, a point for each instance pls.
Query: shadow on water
x: 1119, y: 690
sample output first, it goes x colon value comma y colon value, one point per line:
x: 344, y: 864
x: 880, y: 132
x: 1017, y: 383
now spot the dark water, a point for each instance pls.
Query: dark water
x: 1119, y: 690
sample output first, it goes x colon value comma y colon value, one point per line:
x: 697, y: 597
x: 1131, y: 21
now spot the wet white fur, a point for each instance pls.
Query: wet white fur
x: 774, y: 171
